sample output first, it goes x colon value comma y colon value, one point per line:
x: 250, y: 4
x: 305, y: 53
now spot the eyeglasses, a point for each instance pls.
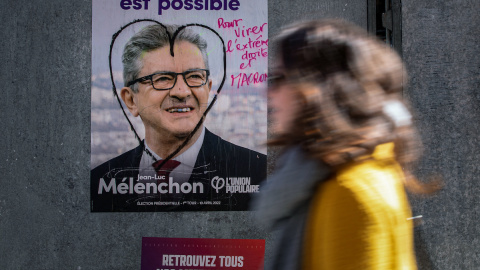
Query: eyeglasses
x: 167, y: 80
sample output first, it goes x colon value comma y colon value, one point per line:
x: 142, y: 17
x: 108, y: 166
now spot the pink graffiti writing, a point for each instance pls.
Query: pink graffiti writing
x: 251, y: 50
x: 249, y: 45
x: 252, y: 78
x: 251, y: 30
x: 223, y: 24
x: 258, y: 42
x: 252, y: 56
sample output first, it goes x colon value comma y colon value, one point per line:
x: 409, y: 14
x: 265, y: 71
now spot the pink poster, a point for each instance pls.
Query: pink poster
x: 202, y: 254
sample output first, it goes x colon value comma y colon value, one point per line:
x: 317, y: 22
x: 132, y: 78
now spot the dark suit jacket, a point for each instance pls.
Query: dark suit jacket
x: 217, y: 161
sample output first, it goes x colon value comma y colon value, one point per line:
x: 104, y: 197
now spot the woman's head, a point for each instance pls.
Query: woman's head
x: 341, y: 93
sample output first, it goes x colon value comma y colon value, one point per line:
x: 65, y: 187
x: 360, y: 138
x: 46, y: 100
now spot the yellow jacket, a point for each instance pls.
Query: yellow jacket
x: 359, y: 219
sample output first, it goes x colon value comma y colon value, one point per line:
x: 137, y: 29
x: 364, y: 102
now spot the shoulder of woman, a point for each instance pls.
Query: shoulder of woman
x: 373, y: 184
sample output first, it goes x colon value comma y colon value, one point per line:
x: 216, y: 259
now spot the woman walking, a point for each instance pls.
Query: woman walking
x: 337, y: 197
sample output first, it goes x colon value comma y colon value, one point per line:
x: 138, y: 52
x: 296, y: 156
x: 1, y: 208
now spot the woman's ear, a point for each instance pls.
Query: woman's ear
x: 128, y: 97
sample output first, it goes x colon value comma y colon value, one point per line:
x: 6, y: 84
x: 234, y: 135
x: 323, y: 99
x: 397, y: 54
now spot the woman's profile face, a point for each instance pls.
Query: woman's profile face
x: 283, y: 103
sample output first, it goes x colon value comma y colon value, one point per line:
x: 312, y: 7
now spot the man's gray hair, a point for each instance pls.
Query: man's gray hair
x: 150, y: 38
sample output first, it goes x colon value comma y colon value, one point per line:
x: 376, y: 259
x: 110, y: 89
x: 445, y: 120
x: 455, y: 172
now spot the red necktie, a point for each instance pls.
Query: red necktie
x: 165, y: 171
x: 166, y: 168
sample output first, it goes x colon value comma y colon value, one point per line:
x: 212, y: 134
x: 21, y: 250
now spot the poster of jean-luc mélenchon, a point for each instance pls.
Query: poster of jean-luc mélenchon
x: 179, y: 110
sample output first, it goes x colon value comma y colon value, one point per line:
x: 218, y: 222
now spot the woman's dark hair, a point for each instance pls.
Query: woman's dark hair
x: 349, y: 85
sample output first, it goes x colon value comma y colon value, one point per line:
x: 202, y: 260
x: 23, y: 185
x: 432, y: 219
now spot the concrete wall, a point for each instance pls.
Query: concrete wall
x: 441, y: 46
x: 45, y: 221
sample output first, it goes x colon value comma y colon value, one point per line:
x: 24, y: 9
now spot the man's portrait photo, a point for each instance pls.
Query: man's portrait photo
x: 179, y: 164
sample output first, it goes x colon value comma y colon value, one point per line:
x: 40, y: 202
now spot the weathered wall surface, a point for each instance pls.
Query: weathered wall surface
x: 45, y: 221
x: 441, y: 46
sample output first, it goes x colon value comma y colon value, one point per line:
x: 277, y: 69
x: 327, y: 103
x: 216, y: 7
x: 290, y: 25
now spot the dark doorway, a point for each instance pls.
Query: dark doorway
x: 385, y: 21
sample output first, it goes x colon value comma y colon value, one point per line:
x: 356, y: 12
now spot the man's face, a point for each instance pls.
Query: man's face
x: 177, y: 111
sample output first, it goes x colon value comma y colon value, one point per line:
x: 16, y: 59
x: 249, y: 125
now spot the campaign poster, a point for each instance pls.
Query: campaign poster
x: 178, y: 104
x: 201, y: 253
